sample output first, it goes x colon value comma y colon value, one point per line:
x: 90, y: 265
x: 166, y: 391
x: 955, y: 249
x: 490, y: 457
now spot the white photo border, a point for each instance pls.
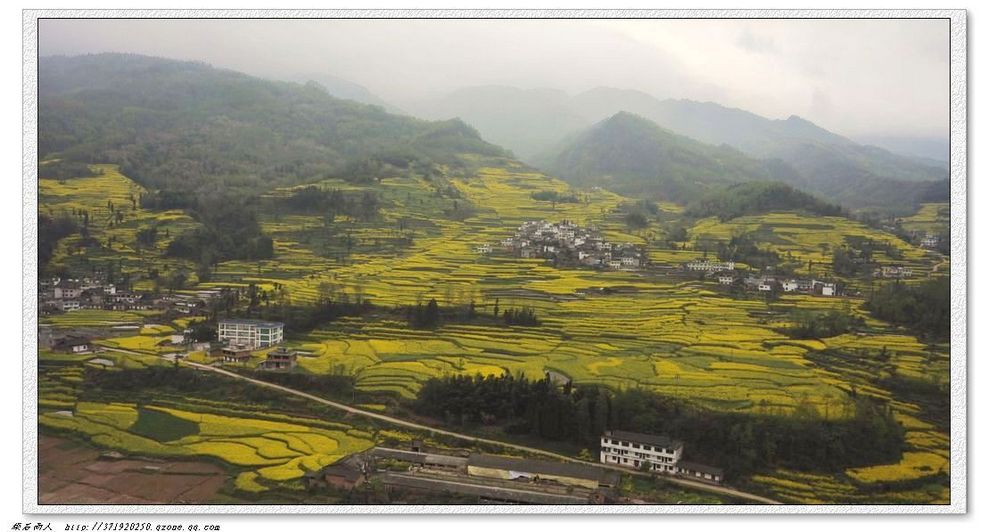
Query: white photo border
x: 959, y: 264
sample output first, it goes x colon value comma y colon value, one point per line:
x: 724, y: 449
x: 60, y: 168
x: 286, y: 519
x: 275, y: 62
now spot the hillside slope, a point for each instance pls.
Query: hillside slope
x: 633, y: 156
x: 186, y: 126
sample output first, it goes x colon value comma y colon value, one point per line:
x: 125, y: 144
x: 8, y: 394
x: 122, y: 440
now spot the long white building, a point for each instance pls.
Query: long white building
x: 632, y: 449
x: 254, y: 334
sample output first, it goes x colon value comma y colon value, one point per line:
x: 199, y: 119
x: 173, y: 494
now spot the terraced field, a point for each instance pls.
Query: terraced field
x: 649, y: 330
x: 271, y: 450
x: 111, y: 202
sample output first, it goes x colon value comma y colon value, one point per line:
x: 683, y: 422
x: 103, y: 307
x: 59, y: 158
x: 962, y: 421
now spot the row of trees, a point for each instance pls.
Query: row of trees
x: 803, y: 439
x: 811, y: 324
x: 330, y: 203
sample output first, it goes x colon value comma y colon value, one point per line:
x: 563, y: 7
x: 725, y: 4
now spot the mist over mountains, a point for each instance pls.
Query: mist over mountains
x: 537, y: 125
x: 172, y: 122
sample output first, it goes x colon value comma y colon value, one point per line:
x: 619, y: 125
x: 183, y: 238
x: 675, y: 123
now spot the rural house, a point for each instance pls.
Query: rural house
x: 633, y: 449
x: 279, y: 359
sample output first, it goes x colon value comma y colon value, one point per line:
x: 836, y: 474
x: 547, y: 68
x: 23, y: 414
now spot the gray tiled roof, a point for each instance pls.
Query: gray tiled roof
x: 540, y: 467
x: 650, y: 439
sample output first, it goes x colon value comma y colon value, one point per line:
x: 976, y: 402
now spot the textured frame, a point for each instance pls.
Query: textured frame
x: 959, y: 265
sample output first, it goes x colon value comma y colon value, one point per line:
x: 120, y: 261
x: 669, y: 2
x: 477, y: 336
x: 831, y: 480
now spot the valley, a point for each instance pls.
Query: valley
x: 793, y: 345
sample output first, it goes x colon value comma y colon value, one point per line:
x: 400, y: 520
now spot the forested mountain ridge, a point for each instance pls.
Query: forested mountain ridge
x: 184, y: 125
x: 633, y: 156
x: 829, y: 164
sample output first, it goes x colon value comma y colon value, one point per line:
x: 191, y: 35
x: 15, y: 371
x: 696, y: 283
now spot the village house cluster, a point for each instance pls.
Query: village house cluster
x: 769, y: 283
x: 67, y: 295
x: 567, y: 243
x: 656, y: 453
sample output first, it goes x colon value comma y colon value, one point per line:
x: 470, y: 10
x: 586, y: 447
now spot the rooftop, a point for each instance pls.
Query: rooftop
x: 257, y: 323
x: 541, y: 467
x: 638, y: 437
x: 701, y: 468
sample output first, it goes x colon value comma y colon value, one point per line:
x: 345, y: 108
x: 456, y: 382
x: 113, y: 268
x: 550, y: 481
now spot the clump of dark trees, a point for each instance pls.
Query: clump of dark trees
x: 554, y: 196
x: 155, y: 382
x: 50, y: 231
x: 637, y: 214
x: 745, y: 248
x: 739, y: 443
x: 229, y: 231
x: 304, y: 318
x: 64, y: 169
x: 424, y: 316
x: 924, y: 308
x: 810, y: 324
x: 758, y: 197
x: 524, y: 316
x: 315, y: 200
x: 857, y: 256
x: 431, y: 316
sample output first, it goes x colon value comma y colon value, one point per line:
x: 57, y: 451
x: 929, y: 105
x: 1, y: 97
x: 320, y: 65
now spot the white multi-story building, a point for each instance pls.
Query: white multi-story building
x: 708, y: 266
x: 632, y: 449
x: 254, y: 334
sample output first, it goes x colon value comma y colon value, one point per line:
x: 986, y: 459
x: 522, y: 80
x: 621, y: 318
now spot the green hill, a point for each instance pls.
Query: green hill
x: 186, y: 126
x: 633, y: 156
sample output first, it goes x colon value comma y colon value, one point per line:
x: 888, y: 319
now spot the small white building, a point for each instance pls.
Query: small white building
x: 828, y: 289
x: 632, y: 449
x: 930, y: 241
x: 726, y: 280
x: 697, y: 471
x: 790, y: 285
x: 630, y: 262
x: 252, y: 333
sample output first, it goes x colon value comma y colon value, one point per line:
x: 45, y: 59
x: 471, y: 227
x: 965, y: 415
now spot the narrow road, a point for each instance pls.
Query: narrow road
x: 466, y: 437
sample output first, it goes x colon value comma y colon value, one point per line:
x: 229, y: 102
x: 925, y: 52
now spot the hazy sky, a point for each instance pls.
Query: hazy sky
x: 855, y: 77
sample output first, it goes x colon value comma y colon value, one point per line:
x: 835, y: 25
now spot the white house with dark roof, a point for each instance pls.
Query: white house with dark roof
x: 632, y: 449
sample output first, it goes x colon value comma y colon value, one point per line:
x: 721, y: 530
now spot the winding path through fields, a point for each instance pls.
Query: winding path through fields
x: 465, y: 437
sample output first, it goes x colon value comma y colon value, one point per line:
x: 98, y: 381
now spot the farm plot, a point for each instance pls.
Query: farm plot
x: 271, y: 450
x: 810, y: 240
x: 108, y: 205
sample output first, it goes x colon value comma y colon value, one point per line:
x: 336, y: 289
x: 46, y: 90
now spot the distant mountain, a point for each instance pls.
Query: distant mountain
x: 532, y: 122
x: 930, y: 150
x: 348, y: 90
x: 188, y: 126
x: 524, y: 121
x: 632, y: 155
